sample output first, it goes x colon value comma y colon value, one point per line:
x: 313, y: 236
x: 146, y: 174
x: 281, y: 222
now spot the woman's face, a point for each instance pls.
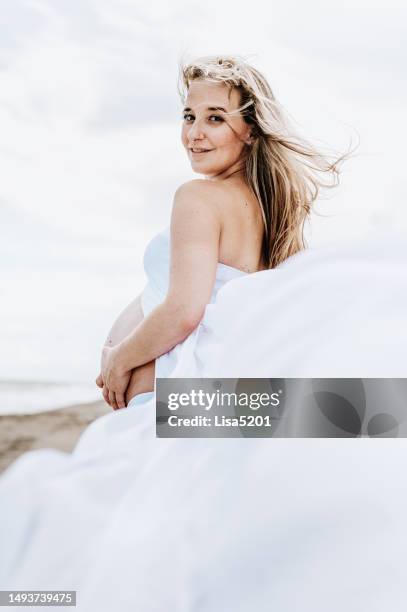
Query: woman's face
x: 205, y: 126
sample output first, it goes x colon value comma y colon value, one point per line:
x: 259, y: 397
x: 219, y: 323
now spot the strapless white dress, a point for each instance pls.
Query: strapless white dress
x: 135, y: 522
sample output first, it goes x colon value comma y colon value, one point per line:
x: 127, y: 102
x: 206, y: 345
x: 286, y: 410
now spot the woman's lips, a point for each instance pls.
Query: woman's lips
x: 200, y: 152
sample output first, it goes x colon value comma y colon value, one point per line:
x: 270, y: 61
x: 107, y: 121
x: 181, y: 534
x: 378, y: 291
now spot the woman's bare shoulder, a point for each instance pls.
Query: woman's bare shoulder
x: 200, y: 186
x: 200, y: 195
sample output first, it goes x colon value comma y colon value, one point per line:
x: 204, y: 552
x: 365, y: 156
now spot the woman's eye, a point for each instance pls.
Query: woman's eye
x: 185, y: 117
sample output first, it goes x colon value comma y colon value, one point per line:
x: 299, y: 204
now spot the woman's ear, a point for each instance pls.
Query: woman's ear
x: 247, y: 137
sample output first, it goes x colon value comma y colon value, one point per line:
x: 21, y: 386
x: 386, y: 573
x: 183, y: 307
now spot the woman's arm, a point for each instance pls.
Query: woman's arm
x: 126, y: 322
x: 195, y: 236
x: 165, y: 327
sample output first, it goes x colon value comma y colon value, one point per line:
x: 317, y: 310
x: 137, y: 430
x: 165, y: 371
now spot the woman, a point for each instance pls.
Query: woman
x: 247, y: 213
x: 136, y: 522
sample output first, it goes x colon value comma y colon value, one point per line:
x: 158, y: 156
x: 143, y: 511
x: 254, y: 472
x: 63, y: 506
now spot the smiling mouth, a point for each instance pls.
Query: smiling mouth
x: 200, y: 151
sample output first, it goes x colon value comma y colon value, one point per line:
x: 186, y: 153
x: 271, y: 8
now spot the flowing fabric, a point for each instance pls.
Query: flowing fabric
x: 135, y: 522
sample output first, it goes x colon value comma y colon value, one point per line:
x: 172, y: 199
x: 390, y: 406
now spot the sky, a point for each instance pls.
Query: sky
x: 90, y: 149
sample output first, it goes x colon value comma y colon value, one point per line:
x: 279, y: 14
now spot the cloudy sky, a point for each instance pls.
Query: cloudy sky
x: 90, y: 150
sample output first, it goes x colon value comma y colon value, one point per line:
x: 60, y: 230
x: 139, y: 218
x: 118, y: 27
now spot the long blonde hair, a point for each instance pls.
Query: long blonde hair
x: 277, y: 167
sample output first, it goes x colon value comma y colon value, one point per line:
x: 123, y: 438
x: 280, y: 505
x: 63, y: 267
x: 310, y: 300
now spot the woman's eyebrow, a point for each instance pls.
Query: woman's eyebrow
x: 211, y: 108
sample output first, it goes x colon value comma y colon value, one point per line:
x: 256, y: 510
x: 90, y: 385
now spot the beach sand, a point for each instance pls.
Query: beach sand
x: 58, y: 429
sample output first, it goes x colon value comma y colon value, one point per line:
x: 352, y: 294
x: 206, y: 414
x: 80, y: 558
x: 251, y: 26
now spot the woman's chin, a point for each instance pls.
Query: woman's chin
x: 203, y: 168
x: 200, y: 168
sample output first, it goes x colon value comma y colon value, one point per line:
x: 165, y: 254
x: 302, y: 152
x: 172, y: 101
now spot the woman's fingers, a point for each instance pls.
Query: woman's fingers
x: 115, y: 401
x: 106, y: 394
x: 120, y: 400
x: 112, y: 398
x: 99, y: 381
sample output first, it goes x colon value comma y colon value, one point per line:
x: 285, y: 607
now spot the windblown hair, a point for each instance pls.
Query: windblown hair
x: 281, y: 167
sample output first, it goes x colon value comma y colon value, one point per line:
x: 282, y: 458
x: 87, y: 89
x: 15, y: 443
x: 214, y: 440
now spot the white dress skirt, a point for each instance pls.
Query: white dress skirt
x: 138, y: 523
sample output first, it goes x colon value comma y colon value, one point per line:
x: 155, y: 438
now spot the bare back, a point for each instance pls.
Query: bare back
x: 242, y: 228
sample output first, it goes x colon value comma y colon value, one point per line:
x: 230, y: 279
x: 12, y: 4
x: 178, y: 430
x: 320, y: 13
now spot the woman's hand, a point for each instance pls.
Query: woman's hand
x: 105, y: 392
x: 113, y: 378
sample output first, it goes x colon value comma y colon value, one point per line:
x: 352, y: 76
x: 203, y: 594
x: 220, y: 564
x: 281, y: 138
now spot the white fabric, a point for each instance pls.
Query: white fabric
x: 133, y: 522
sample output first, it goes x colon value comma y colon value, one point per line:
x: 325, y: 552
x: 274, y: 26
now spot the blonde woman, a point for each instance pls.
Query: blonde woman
x: 209, y: 524
x: 247, y: 212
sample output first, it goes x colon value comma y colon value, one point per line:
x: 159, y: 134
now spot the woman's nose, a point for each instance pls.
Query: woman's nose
x: 195, y: 132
